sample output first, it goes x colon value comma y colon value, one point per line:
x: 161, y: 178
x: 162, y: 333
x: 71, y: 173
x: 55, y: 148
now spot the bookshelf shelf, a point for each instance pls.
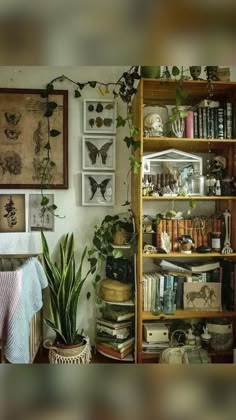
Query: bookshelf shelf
x: 192, y: 197
x: 186, y: 314
x: 153, y: 92
x: 192, y: 255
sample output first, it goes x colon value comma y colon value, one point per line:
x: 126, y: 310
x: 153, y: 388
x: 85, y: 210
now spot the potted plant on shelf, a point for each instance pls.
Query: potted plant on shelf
x: 65, y: 285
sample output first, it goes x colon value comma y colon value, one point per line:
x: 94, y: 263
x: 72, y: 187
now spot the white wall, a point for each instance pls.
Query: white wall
x: 78, y: 219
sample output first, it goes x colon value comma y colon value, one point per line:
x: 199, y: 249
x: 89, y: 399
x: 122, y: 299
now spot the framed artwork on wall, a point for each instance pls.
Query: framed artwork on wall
x: 38, y: 218
x: 100, y: 116
x: 12, y: 213
x: 24, y: 146
x: 98, y: 189
x: 99, y: 152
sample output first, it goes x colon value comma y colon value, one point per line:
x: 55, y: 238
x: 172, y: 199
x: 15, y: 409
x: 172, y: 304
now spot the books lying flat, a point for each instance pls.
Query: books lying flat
x: 114, y: 353
x: 167, y: 265
x: 116, y: 314
x: 113, y: 344
x: 198, y: 266
x: 114, y: 332
x: 115, y: 325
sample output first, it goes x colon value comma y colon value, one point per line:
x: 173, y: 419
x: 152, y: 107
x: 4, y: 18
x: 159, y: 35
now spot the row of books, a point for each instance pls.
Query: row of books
x: 114, y: 335
x: 176, y: 228
x: 215, y: 122
x: 154, y: 284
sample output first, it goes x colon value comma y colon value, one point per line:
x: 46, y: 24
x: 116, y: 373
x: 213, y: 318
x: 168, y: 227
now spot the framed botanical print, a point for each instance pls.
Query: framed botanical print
x: 100, y: 116
x: 12, y: 213
x: 39, y: 217
x: 99, y: 152
x: 98, y: 189
x: 32, y: 152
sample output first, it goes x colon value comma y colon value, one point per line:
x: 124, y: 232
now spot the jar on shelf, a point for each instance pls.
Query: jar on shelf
x: 216, y: 241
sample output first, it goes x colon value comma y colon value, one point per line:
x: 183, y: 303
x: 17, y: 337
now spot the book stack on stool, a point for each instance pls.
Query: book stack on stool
x: 115, y: 332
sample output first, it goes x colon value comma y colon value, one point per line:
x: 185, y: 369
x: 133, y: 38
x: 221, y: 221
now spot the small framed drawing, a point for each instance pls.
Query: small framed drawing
x: 99, y: 152
x: 98, y: 189
x: 38, y: 218
x: 202, y: 297
x: 100, y: 116
x: 12, y: 216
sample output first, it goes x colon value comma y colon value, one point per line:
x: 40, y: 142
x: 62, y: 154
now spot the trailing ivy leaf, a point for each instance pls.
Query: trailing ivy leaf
x: 52, y: 164
x: 127, y: 203
x: 175, y: 71
x: 120, y: 122
x: 159, y: 217
x: 97, y: 243
x: 100, y: 90
x: 52, y: 207
x: 136, y: 144
x: 48, y: 113
x: 117, y: 253
x: 92, y: 84
x: 44, y: 201
x: 77, y: 94
x: 129, y: 141
x: 81, y: 85
x: 47, y: 146
x: 134, y: 163
x: 108, y: 218
x: 88, y: 295
x: 54, y: 133
x: 133, y: 131
x: 52, y: 105
x: 97, y: 278
x: 50, y: 86
x: 44, y: 94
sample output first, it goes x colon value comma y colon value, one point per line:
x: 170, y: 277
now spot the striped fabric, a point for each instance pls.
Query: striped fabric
x: 20, y: 299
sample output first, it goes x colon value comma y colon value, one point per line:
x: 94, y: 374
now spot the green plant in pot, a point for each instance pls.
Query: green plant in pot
x: 65, y: 285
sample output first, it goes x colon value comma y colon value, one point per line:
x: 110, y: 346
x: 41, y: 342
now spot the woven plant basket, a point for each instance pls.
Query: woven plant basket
x: 221, y: 336
x: 121, y: 237
x: 69, y: 355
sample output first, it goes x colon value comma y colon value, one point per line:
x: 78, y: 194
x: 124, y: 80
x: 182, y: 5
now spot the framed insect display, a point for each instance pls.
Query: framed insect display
x: 12, y: 213
x: 29, y: 157
x: 100, y: 116
x: 98, y: 189
x: 99, y: 152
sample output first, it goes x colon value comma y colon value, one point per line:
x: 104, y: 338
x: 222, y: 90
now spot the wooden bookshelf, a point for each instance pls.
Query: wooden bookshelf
x: 153, y: 92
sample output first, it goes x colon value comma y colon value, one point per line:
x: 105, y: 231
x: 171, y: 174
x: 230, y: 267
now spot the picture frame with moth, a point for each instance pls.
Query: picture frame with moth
x: 99, y: 116
x: 98, y: 189
x: 99, y: 152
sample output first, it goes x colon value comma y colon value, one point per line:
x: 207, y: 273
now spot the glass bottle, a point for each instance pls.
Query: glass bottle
x: 169, y: 301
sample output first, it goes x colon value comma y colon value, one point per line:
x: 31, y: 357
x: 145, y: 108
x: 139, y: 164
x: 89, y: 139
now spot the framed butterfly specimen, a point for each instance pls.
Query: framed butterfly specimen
x: 99, y: 152
x: 100, y: 116
x: 24, y: 139
x: 98, y: 189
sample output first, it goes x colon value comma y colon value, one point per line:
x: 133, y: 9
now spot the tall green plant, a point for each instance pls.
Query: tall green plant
x: 65, y: 284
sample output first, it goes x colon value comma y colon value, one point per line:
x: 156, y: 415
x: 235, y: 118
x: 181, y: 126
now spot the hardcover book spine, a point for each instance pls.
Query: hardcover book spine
x: 211, y: 124
x: 169, y: 231
x: 189, y: 125
x: 180, y: 292
x: 200, y: 124
x: 220, y: 123
x: 180, y: 227
x: 175, y: 235
x: 208, y: 121
x: 195, y: 125
x: 158, y: 234
x: 204, y: 123
x: 216, y: 130
x: 229, y: 120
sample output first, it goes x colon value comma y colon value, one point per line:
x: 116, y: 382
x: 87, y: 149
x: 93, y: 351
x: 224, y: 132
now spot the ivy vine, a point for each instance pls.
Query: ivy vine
x: 125, y: 89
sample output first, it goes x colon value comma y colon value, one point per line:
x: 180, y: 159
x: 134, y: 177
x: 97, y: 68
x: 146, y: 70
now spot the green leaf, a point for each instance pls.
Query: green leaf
x: 117, y: 253
x: 97, y: 242
x: 77, y: 94
x: 48, y: 113
x: 54, y: 133
x: 52, y: 164
x: 133, y: 131
x: 50, y: 86
x: 47, y: 146
x: 120, y: 122
x: 52, y: 105
x: 44, y: 94
x: 44, y: 201
x: 52, y: 207
x: 92, y: 84
x: 192, y: 204
x: 175, y: 71
x: 127, y: 203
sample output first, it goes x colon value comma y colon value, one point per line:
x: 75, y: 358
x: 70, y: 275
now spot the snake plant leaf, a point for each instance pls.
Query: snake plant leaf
x: 58, y: 332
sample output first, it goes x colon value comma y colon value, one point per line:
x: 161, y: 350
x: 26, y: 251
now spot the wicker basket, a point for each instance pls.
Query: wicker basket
x: 115, y: 291
x: 121, y: 237
x: 221, y: 332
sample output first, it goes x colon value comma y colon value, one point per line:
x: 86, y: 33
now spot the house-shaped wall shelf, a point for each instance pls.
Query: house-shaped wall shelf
x: 171, y: 159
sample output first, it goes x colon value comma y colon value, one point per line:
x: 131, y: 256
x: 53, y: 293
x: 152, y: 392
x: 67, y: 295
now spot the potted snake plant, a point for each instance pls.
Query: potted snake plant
x: 65, y: 285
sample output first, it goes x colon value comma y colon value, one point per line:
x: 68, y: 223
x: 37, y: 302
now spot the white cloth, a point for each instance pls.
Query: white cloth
x: 20, y: 299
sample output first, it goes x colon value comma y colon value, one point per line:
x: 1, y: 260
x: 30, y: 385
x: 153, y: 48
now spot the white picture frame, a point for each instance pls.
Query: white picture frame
x: 98, y: 189
x: 37, y: 221
x: 99, y: 152
x: 99, y: 116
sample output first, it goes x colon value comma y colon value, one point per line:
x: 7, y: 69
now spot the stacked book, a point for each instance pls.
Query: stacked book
x: 176, y: 228
x: 114, y: 336
x: 211, y: 120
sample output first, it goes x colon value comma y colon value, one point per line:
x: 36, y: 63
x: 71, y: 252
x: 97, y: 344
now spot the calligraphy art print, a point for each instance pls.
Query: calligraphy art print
x: 12, y: 213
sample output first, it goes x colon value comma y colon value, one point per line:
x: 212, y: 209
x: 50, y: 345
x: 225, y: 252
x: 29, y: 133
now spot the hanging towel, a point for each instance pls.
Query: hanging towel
x: 22, y: 291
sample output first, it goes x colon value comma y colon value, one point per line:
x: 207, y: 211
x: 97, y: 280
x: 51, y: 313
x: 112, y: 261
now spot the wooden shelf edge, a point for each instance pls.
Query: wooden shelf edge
x: 192, y: 197
x: 192, y: 255
x: 185, y: 314
x: 188, y: 140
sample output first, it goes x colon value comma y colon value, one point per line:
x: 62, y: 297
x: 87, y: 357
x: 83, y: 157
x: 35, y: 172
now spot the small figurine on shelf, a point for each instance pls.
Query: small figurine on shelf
x: 186, y: 244
x: 195, y: 72
x: 191, y: 339
x: 205, y: 337
x: 211, y: 72
x: 153, y: 125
